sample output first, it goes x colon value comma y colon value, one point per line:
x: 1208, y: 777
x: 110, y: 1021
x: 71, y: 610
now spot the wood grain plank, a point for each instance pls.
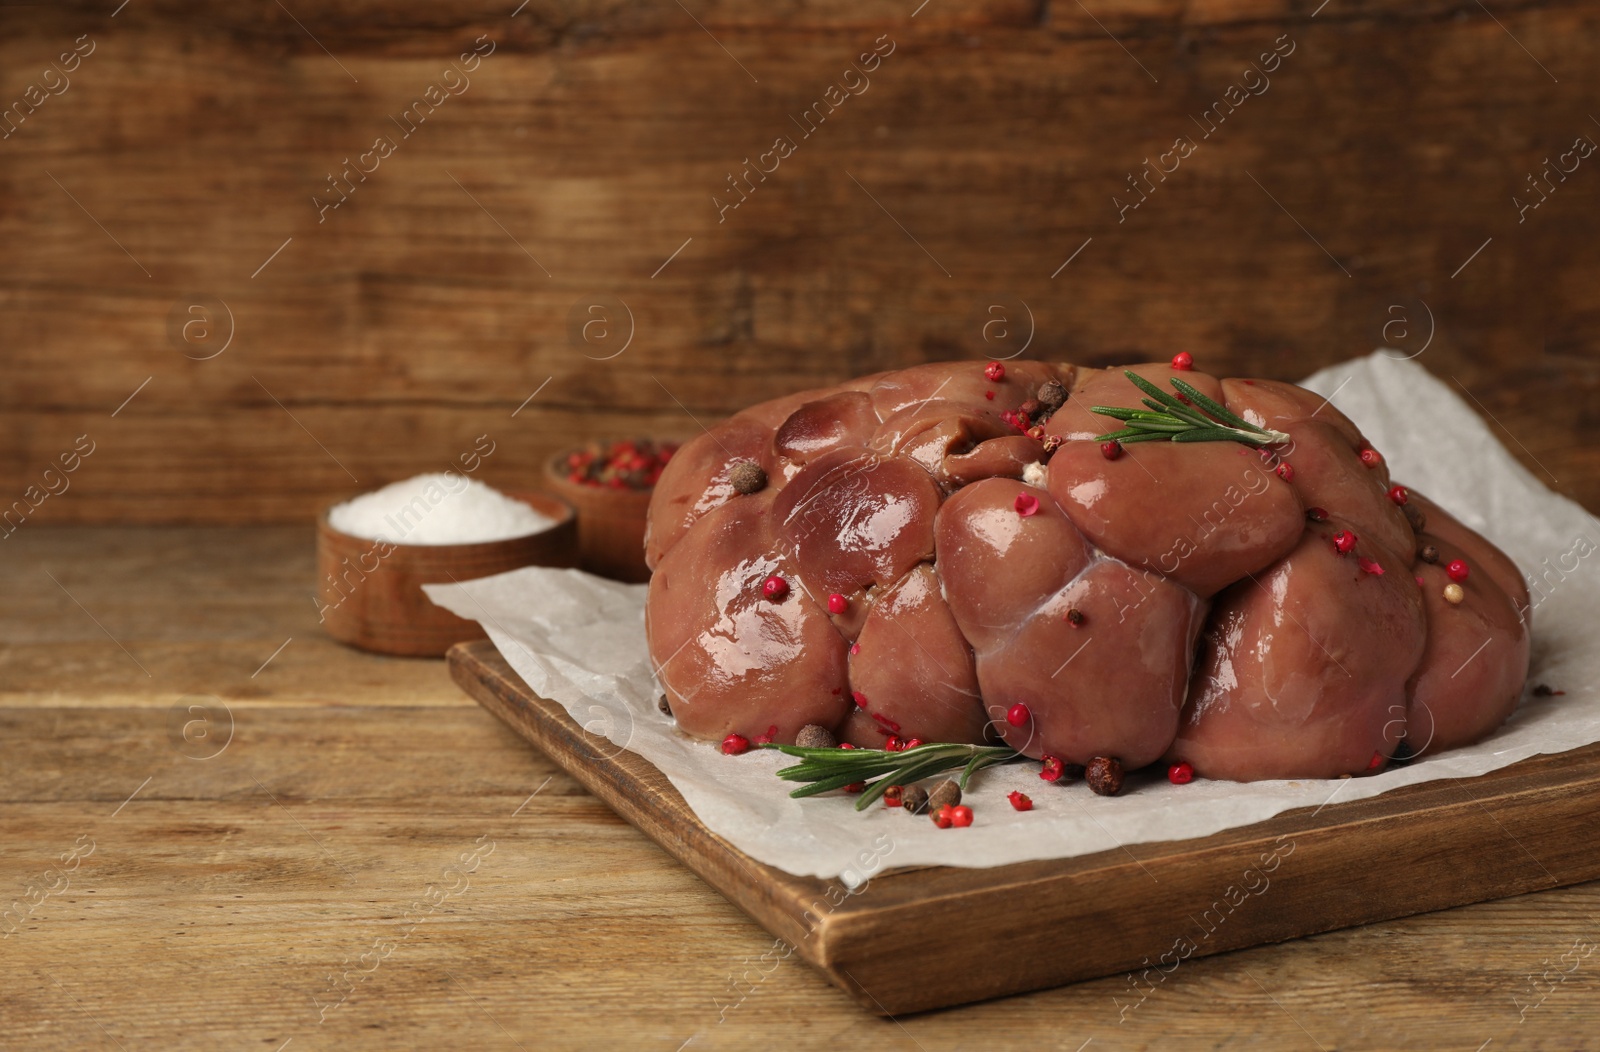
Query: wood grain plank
x: 90, y: 612
x: 410, y: 319
x: 408, y: 28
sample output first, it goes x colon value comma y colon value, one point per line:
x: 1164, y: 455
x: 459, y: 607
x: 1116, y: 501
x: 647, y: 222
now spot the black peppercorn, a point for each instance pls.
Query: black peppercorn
x: 946, y: 794
x: 1415, y: 517
x: 914, y: 799
x: 1052, y: 395
x: 1104, y: 775
x: 812, y: 736
x: 1428, y: 553
x: 748, y: 477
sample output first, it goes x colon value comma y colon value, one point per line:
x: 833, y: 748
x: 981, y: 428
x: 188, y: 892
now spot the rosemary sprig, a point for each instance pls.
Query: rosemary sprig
x: 1170, y: 419
x: 829, y: 769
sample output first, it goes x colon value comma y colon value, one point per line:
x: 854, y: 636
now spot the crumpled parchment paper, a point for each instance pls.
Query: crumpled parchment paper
x: 579, y: 640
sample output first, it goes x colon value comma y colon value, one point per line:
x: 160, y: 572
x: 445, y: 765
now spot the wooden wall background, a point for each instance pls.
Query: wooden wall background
x: 188, y: 146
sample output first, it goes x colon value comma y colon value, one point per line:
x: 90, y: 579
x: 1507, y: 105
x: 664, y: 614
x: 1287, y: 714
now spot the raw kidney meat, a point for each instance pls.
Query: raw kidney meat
x: 948, y: 553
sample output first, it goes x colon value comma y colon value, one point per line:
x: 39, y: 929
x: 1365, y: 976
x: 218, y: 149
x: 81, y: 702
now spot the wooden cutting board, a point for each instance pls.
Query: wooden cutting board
x: 917, y: 939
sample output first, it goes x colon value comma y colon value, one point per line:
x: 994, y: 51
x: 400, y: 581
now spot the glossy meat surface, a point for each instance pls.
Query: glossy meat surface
x: 999, y: 566
x: 1470, y: 678
x: 911, y: 671
x: 1303, y: 672
x: 952, y: 550
x: 729, y: 658
x: 1112, y: 685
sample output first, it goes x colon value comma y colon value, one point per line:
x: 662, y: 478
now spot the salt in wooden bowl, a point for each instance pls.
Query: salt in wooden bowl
x: 369, y: 592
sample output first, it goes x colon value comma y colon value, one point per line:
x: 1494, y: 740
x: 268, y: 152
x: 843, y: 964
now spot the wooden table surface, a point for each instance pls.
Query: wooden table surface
x: 292, y: 890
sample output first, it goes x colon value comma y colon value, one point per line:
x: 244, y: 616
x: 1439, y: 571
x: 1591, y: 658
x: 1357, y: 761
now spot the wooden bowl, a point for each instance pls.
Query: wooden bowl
x: 610, y: 524
x: 370, y: 595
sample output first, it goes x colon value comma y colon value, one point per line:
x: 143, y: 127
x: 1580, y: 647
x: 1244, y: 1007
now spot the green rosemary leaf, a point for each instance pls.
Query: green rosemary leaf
x: 982, y: 755
x: 872, y: 762
x: 1198, y: 419
x: 1127, y: 438
x: 1160, y: 425
x: 1152, y: 390
x: 914, y: 772
x: 825, y: 785
x: 1191, y: 417
x: 873, y: 791
x: 803, y: 773
x: 1220, y: 434
x: 974, y: 765
x: 1216, y: 409
x: 825, y: 770
x: 1180, y: 415
x: 821, y: 762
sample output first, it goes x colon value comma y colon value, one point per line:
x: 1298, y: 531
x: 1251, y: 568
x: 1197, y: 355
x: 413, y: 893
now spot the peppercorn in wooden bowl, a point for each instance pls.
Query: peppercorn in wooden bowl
x: 610, y: 485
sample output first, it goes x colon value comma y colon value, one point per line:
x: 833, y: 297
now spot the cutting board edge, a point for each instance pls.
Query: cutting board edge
x: 856, y: 942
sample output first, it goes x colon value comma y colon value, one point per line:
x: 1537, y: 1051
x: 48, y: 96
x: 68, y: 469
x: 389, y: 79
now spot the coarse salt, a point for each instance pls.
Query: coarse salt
x: 440, y: 508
